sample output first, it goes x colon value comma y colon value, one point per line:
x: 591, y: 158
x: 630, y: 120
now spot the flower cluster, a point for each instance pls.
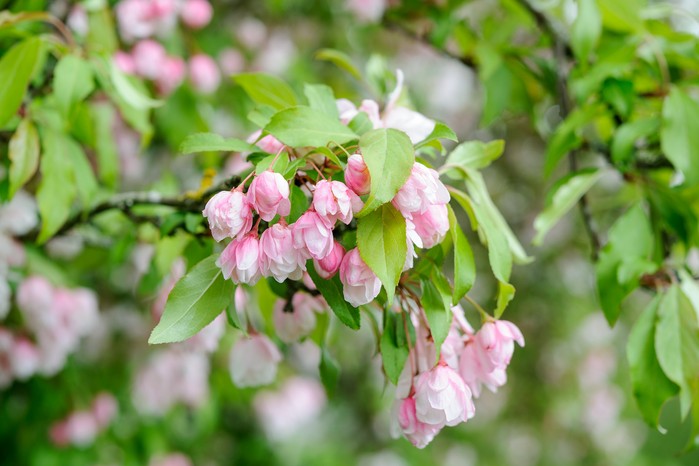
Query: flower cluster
x: 81, y: 427
x: 432, y: 396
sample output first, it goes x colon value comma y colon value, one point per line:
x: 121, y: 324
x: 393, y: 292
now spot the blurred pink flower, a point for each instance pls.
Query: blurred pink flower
x: 253, y: 361
x: 196, y: 14
x: 149, y: 58
x: 171, y: 459
x: 296, y: 319
x: 442, y: 398
x: 269, y: 143
x: 104, y: 409
x: 204, y: 73
x: 421, y: 190
x: 171, y: 75
x: 231, y: 61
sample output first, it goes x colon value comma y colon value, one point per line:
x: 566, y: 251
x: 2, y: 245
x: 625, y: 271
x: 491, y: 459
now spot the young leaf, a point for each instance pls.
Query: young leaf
x: 382, y: 244
x: 586, y: 30
x: 475, y: 154
x: 205, y: 142
x: 84, y: 177
x: 303, y: 126
x: 506, y: 293
x: 389, y: 156
x: 464, y: 264
x: 438, y: 313
x: 564, y: 196
x: 393, y: 354
x: 440, y: 131
x: 16, y: 68
x: 567, y: 137
x: 265, y: 89
x: 332, y: 292
x: 679, y: 135
x: 24, y: 155
x: 105, y: 144
x: 196, y: 300
x: 320, y: 97
x: 340, y: 60
x: 651, y: 387
x: 73, y: 82
x: 628, y: 134
x: 127, y: 89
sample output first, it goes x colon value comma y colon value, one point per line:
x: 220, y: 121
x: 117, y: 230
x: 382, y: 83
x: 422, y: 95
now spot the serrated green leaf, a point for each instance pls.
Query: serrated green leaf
x: 464, y: 264
x: 265, y: 89
x: 73, y: 82
x: 475, y: 155
x: 320, y: 97
x: 205, y: 142
x: 303, y: 126
x: 23, y: 151
x: 196, y: 300
x: 16, y: 68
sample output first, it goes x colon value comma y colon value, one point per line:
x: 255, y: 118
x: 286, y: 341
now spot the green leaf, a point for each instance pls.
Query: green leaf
x: 280, y: 163
x: 24, y: 155
x: 361, y: 124
x: 440, y: 131
x: 389, y: 156
x: 265, y: 89
x: 83, y: 175
x: 105, y: 145
x: 101, y: 33
x: 564, y: 196
x: 677, y: 343
x: 73, y: 82
x: 57, y: 189
x: 232, y: 315
x: 299, y: 203
x: 339, y: 59
x: 464, y: 264
x: 679, y: 135
x: 302, y: 126
x: 438, y: 313
x: 205, y: 142
x: 586, y: 29
x: 506, y: 293
x: 567, y: 136
x: 651, y: 387
x: 628, y: 134
x: 393, y: 354
x: 382, y: 244
x: 16, y: 68
x: 329, y: 372
x: 475, y: 154
x: 194, y: 302
x: 329, y: 155
x: 128, y: 89
x: 332, y: 292
x: 622, y: 15
x: 320, y: 97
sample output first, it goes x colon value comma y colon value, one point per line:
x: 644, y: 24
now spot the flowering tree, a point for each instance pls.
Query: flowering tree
x: 321, y: 212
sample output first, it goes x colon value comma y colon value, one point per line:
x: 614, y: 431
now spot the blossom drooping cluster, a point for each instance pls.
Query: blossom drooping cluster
x: 81, y: 427
x: 432, y: 396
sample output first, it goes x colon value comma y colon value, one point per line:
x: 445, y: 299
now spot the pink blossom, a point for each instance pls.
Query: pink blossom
x: 313, y: 236
x: 204, y: 73
x: 77, y: 20
x: 335, y: 201
x: 367, y: 10
x: 171, y: 75
x: 296, y: 319
x: 171, y: 459
x: 81, y: 428
x: 177, y: 271
x: 328, y: 266
x: 125, y: 62
x: 360, y: 284
x: 278, y: 257
x: 196, y: 14
x: 59, y: 435
x: 240, y: 260
x: 20, y: 215
x: 497, y: 340
x: 452, y: 347
x: 24, y: 358
x: 357, y: 175
x: 269, y: 195
x: 143, y: 18
x: 149, y: 58
x: 12, y: 252
x: 35, y: 299
x: 476, y: 370
x: 420, y: 434
x: 229, y: 214
x: 104, y: 409
x: 251, y: 32
x: 231, y: 61
x: 421, y: 189
x: 442, y: 398
x: 432, y: 225
x: 253, y: 361
x: 269, y: 143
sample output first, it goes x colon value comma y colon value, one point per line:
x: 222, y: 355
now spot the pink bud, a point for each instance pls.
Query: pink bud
x: 269, y: 143
x: 240, y: 260
x: 24, y: 358
x: 357, y: 175
x: 269, y: 195
x: 330, y: 264
x: 313, y: 237
x: 442, y: 398
x: 196, y: 14
x: 78, y: 21
x: 231, y: 61
x: 149, y: 58
x: 278, y: 257
x: 253, y: 361
x: 171, y: 75
x: 335, y: 201
x: 432, y: 225
x: 82, y: 428
x: 418, y: 433
x: 104, y: 408
x: 35, y: 299
x: 229, y: 214
x: 360, y: 284
x: 204, y: 73
x: 421, y: 189
x: 296, y: 319
x: 59, y: 434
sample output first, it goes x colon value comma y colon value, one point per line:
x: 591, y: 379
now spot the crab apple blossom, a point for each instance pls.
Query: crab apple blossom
x: 104, y: 408
x: 229, y: 214
x: 171, y: 75
x: 295, y: 319
x: 204, y: 73
x: 24, y: 358
x: 421, y: 190
x: 278, y: 257
x: 124, y: 61
x: 269, y: 195
x: 149, y: 56
x: 240, y: 260
x: 442, y: 398
x: 268, y: 143
x: 432, y: 225
x: 313, y: 236
x: 253, y: 361
x: 497, y: 341
x: 419, y: 433
x: 328, y: 266
x: 477, y: 371
x: 335, y: 201
x: 357, y: 176
x: 139, y: 19
x: 196, y: 14
x: 360, y: 283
